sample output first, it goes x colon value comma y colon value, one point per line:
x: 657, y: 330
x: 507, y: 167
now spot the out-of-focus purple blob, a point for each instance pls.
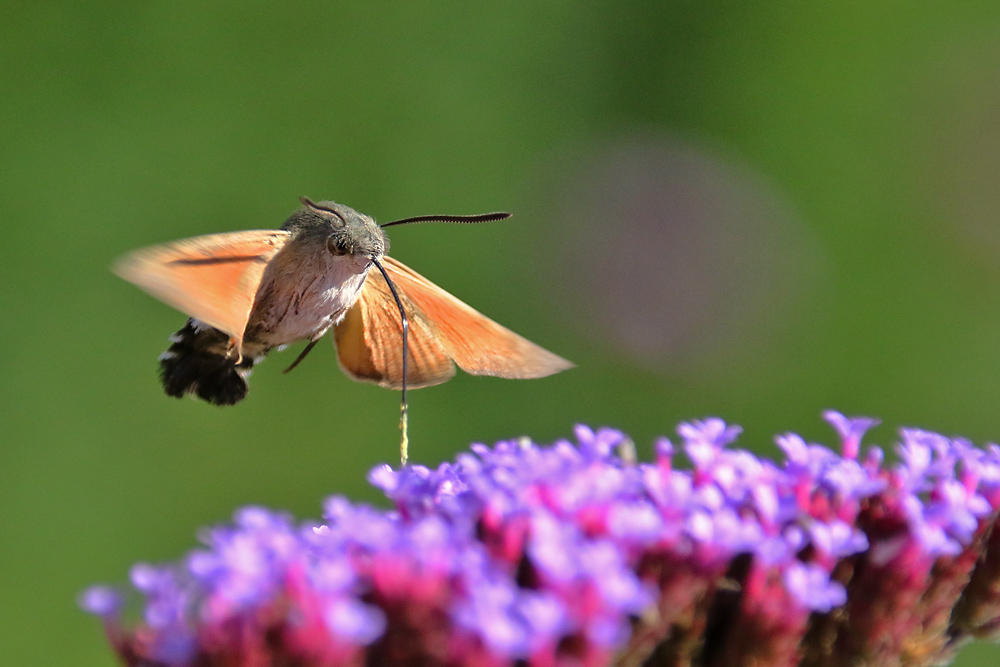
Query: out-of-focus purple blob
x: 355, y: 621
x: 812, y: 586
x: 103, y: 601
x: 383, y: 477
x: 837, y: 538
x: 635, y: 521
x: 546, y: 614
x: 705, y: 440
x: 676, y: 252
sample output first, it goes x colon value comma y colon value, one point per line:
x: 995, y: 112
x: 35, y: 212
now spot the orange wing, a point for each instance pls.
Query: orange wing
x: 369, y: 341
x: 212, y: 278
x: 442, y: 328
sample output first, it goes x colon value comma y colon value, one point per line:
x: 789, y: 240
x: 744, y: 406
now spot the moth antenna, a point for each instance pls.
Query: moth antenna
x: 482, y: 217
x: 318, y: 207
x: 302, y: 355
x: 404, y: 439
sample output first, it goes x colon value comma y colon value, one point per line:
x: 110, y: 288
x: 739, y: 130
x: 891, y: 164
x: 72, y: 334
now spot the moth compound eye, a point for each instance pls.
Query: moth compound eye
x: 337, y: 246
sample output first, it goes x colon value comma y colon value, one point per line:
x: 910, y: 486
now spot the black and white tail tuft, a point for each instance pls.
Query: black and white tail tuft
x: 196, y: 363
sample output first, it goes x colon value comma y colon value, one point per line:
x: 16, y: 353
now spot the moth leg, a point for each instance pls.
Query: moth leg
x: 232, y: 347
x: 302, y: 355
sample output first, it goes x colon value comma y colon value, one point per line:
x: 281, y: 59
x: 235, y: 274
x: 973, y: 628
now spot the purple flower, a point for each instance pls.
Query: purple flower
x: 812, y: 587
x: 851, y: 431
x: 102, y: 601
x: 575, y: 554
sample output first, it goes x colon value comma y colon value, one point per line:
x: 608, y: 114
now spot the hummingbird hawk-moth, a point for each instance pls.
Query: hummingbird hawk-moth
x: 250, y: 292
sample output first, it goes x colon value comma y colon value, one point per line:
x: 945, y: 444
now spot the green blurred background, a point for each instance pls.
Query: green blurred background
x: 751, y: 210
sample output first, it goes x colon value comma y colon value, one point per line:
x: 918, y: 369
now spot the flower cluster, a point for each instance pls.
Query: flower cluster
x: 580, y: 555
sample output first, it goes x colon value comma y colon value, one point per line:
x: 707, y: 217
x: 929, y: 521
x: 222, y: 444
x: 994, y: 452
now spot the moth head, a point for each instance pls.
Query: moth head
x: 343, y: 230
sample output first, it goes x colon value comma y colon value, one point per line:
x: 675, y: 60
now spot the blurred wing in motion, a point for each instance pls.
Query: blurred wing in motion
x: 211, y: 278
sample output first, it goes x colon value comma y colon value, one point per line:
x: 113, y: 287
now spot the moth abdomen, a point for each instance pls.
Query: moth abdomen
x: 196, y: 363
